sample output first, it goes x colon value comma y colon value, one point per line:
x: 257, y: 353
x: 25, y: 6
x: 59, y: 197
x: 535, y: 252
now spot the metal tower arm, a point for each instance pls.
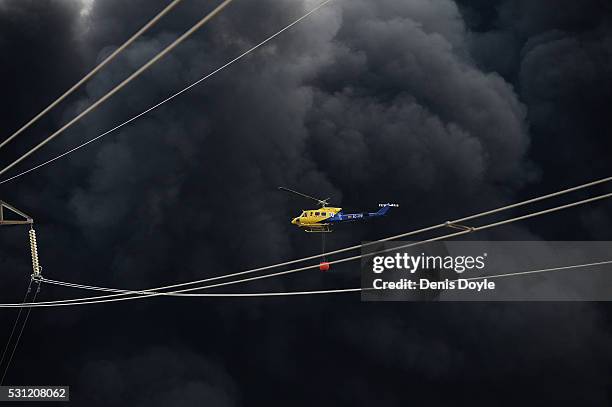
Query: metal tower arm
x: 27, y: 220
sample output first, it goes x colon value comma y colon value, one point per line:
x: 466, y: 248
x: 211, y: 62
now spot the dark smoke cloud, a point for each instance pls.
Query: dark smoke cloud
x: 443, y: 107
x: 558, y: 57
x: 142, y: 380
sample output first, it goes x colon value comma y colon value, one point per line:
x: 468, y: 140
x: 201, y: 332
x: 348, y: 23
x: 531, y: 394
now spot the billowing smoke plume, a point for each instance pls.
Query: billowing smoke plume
x: 444, y: 107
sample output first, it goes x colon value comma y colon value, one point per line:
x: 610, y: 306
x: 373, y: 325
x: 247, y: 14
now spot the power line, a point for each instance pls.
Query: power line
x: 101, y: 65
x: 25, y: 322
x: 10, y: 338
x: 231, y: 62
x: 113, y: 297
x: 403, y: 235
x: 117, y: 88
x: 288, y: 293
x: 547, y: 270
x: 177, y: 294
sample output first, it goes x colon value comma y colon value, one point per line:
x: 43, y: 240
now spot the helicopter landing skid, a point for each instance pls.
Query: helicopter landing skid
x: 324, y: 229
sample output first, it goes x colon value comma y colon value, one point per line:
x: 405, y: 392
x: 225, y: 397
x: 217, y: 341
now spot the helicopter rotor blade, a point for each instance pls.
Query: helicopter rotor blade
x: 322, y: 202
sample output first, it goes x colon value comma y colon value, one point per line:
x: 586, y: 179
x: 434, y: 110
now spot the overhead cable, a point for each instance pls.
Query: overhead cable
x: 177, y: 294
x: 23, y: 326
x: 113, y: 297
x: 289, y: 293
x: 395, y: 237
x: 10, y: 338
x: 101, y: 65
x: 117, y: 88
x: 150, y: 109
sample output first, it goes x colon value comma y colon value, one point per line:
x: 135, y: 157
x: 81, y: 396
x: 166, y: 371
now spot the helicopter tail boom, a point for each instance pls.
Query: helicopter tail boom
x: 383, y: 210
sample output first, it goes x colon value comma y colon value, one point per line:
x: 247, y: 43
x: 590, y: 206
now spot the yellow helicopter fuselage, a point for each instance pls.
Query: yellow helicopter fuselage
x: 316, y: 218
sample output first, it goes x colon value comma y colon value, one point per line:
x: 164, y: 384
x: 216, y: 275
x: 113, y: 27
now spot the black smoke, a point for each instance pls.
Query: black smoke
x: 444, y: 107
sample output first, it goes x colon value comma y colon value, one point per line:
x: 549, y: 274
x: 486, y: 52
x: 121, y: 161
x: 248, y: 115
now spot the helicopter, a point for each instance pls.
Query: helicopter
x: 323, y: 219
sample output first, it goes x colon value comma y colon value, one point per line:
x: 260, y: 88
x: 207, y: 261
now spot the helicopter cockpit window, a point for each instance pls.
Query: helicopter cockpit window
x: 303, y: 215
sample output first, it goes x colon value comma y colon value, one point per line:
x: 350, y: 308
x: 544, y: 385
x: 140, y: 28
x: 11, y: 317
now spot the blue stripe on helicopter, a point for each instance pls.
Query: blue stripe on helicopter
x: 342, y: 217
